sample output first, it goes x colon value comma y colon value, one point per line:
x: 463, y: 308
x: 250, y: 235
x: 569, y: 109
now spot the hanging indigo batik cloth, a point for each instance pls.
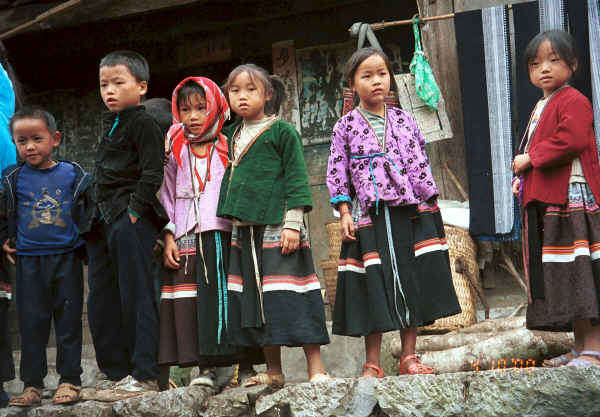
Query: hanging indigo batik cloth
x: 594, y: 39
x: 485, y: 73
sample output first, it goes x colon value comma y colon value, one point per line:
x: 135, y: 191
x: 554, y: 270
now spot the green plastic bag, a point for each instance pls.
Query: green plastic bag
x: 425, y: 84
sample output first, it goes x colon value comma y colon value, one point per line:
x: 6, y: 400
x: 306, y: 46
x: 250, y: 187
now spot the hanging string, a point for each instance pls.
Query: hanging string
x: 112, y: 129
x: 221, y: 287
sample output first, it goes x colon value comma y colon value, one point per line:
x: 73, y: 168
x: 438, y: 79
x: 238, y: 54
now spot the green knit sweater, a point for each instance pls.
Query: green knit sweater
x: 269, y: 179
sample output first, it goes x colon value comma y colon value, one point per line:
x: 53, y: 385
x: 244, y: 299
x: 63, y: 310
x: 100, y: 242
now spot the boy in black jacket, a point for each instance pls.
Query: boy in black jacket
x: 42, y: 211
x: 122, y: 314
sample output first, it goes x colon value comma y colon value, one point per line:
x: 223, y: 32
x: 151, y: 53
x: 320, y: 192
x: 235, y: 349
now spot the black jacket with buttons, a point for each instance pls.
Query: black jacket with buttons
x: 129, y: 166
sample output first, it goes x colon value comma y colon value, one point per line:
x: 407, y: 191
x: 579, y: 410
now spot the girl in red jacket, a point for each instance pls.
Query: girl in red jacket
x: 558, y: 185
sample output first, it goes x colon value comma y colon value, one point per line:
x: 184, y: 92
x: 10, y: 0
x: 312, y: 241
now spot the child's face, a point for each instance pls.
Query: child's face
x: 247, y: 98
x: 34, y: 142
x: 119, y: 88
x: 371, y: 82
x: 548, y: 71
x: 193, y: 113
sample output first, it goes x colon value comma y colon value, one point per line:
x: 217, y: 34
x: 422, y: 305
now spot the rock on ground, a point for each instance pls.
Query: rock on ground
x: 565, y: 391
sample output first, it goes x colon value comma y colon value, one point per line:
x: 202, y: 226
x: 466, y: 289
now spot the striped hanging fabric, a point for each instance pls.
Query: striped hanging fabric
x: 594, y: 39
x: 485, y: 72
x: 552, y: 15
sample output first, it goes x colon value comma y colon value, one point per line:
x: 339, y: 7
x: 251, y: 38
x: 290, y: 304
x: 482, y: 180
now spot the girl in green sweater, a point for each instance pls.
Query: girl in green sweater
x: 275, y: 295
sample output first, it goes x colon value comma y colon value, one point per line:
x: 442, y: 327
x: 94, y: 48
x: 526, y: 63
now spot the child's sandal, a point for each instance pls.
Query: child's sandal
x: 378, y: 371
x: 30, y: 396
x: 262, y: 378
x: 415, y: 368
x: 580, y: 362
x: 320, y: 377
x: 66, y: 394
x: 560, y: 360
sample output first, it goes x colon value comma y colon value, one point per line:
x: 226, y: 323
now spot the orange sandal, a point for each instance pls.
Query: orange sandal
x: 415, y: 368
x: 373, y: 367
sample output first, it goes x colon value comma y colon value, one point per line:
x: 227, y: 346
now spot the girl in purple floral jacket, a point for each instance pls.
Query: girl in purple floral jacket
x: 394, y: 270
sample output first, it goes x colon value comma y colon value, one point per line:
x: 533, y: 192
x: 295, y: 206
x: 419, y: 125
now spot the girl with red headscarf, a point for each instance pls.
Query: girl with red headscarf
x: 194, y: 300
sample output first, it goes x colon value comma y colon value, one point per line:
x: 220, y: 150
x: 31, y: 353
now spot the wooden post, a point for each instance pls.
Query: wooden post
x: 439, y: 42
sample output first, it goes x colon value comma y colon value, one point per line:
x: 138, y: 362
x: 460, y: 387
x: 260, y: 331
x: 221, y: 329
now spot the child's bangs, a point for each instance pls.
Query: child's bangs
x: 187, y: 91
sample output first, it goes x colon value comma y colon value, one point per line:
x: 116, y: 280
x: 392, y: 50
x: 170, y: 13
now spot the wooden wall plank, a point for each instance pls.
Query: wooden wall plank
x: 439, y: 42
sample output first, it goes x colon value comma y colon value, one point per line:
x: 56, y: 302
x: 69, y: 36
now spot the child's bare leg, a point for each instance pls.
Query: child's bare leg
x: 372, y: 353
x: 314, y: 365
x: 409, y: 342
x: 579, y: 332
x: 591, y: 339
x: 273, y: 360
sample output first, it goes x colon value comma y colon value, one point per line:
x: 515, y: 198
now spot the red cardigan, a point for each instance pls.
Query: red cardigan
x: 564, y: 132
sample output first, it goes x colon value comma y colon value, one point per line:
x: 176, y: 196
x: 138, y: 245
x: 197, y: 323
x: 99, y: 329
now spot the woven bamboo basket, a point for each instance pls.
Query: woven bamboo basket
x: 330, y: 270
x: 335, y: 239
x: 460, y: 244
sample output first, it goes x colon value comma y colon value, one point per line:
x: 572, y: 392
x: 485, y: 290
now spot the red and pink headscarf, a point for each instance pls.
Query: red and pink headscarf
x: 217, y: 111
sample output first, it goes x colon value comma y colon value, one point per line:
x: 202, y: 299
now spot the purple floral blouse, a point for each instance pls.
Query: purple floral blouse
x: 359, y: 166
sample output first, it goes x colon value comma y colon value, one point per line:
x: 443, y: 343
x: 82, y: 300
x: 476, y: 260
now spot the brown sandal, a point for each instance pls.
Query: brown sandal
x: 274, y: 381
x: 66, y: 394
x: 31, y: 396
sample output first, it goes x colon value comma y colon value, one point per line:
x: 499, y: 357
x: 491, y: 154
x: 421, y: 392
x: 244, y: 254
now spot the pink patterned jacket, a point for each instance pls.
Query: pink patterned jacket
x: 358, y: 166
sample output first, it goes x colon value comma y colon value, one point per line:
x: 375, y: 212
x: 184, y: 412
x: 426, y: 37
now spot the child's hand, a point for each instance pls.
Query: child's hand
x: 9, y: 251
x: 171, y: 252
x: 521, y: 163
x: 347, y: 227
x: 515, y: 186
x: 132, y: 218
x: 290, y: 240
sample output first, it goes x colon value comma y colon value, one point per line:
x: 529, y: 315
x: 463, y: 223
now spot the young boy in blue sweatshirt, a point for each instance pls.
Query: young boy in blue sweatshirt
x: 42, y: 209
x: 122, y: 312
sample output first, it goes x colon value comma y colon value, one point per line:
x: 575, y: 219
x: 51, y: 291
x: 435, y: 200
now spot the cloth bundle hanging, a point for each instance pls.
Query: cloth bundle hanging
x: 485, y: 75
x: 426, y: 86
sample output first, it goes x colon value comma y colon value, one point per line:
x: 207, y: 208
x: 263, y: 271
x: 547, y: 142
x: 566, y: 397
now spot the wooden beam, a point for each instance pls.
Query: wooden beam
x: 39, y: 18
x: 88, y: 11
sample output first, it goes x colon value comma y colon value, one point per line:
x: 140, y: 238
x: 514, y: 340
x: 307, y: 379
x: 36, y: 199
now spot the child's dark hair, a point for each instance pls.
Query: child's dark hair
x: 562, y: 43
x: 188, y: 89
x: 272, y: 85
x: 357, y: 58
x: 34, y: 112
x: 135, y: 63
x: 160, y: 110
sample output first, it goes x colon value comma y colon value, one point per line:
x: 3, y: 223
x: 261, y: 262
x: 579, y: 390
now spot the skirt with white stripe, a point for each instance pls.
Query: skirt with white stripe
x: 275, y: 299
x: 193, y: 309
x: 396, y: 274
x: 569, y: 286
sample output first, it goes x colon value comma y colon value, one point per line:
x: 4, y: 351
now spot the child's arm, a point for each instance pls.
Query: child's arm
x: 4, y: 234
x: 150, y: 146
x: 7, y: 95
x: 338, y: 176
x: 297, y: 188
x: 167, y: 198
x: 338, y: 179
x: 570, y: 139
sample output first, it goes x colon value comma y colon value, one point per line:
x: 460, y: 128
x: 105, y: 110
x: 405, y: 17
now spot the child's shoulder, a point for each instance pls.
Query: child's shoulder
x: 573, y: 95
x: 284, y: 127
